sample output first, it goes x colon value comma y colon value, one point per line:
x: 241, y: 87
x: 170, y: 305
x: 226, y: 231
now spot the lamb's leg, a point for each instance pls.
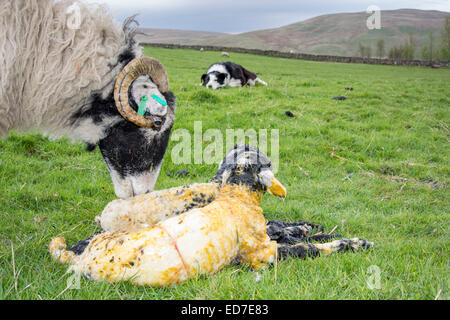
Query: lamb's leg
x: 303, y: 250
x: 295, y: 232
x: 354, y: 244
x: 300, y: 250
x: 57, y: 248
x: 143, y: 211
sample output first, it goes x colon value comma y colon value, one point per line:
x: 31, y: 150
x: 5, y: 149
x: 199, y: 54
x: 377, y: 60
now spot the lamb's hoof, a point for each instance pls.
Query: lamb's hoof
x: 362, y: 244
x: 354, y: 244
x: 56, y: 247
x: 295, y: 232
x: 58, y: 243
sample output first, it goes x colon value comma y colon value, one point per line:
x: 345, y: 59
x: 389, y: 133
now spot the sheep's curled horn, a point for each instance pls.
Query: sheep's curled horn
x: 133, y: 70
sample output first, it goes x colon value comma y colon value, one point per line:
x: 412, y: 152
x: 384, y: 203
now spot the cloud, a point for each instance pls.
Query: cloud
x: 235, y: 16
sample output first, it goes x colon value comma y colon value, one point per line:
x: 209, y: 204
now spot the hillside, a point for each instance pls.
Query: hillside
x: 175, y: 36
x: 332, y: 34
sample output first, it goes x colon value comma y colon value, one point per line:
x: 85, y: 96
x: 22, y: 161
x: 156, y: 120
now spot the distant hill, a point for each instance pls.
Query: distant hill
x: 175, y: 36
x: 331, y: 34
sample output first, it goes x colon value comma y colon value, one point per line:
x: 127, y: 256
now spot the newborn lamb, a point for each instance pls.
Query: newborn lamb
x: 201, y: 240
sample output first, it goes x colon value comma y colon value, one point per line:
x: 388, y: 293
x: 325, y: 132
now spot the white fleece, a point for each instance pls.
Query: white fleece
x: 49, y: 69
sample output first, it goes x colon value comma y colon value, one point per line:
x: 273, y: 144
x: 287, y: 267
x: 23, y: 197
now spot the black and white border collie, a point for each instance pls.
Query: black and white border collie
x: 224, y: 74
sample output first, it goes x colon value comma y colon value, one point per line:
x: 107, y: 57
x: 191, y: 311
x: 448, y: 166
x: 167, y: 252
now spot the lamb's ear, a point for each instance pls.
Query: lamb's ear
x: 204, y: 78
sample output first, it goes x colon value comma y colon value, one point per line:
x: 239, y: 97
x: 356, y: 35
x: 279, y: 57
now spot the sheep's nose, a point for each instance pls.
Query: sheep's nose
x: 159, y: 111
x: 158, y: 106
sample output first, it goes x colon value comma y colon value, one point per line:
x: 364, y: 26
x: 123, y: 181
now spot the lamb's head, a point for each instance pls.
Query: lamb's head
x: 247, y: 165
x: 134, y: 144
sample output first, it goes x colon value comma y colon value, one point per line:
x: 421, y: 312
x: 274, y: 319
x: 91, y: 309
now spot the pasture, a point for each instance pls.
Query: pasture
x: 375, y: 165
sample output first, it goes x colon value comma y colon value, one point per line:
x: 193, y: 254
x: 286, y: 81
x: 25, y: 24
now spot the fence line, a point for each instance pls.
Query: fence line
x: 304, y: 56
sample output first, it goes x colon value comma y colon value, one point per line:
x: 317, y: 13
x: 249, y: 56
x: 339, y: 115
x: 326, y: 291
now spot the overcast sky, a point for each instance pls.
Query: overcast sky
x: 235, y: 16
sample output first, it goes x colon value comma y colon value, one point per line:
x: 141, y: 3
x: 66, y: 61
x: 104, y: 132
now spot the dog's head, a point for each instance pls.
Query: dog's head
x: 214, y: 80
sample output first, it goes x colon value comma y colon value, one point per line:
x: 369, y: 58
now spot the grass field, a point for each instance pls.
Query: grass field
x: 376, y: 166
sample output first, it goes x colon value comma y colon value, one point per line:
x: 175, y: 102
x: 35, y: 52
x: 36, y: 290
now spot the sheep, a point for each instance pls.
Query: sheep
x: 225, y: 54
x: 68, y: 69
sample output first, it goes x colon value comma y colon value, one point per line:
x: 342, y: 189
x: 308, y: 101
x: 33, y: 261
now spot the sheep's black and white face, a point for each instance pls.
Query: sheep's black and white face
x: 134, y: 154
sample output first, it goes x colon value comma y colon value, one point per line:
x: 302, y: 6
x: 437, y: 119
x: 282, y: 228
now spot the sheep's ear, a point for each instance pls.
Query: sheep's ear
x: 204, y: 78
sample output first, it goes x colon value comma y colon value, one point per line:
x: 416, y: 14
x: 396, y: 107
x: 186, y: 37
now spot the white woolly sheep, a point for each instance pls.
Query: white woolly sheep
x: 68, y: 69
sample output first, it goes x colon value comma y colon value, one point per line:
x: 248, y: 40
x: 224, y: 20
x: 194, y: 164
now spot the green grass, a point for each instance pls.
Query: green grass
x: 387, y: 182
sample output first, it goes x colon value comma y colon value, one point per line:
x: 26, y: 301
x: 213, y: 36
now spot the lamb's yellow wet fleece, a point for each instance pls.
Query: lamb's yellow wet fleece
x: 146, y: 210
x: 200, y: 241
